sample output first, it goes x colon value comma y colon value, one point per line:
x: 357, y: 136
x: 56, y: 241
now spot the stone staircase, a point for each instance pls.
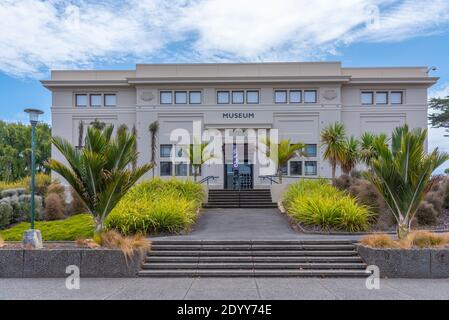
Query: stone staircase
x: 250, y: 258
x: 254, y: 198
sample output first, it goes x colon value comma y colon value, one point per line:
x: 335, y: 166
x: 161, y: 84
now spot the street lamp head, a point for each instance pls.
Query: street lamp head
x: 34, y: 115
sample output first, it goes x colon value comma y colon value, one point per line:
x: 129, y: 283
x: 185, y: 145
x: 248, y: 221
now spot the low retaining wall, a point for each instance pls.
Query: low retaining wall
x: 52, y: 263
x: 407, y: 263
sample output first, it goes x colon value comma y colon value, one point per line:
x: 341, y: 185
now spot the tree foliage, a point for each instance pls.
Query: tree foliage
x: 439, y: 119
x: 15, y: 149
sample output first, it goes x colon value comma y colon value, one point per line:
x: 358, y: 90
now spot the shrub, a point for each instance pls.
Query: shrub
x: 426, y: 213
x: 5, y: 214
x: 77, y: 205
x: 343, y: 182
x: 157, y: 206
x: 318, y: 203
x: 425, y: 239
x: 128, y: 245
x: 58, y: 189
x: 379, y: 241
x: 54, y: 207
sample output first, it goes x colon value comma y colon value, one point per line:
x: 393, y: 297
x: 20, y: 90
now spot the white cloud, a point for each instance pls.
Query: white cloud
x: 39, y: 35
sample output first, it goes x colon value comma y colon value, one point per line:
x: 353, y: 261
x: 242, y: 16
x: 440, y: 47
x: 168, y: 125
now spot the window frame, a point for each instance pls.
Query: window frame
x: 372, y: 98
x: 166, y: 92
x: 238, y: 91
x: 177, y: 165
x: 316, y: 168
x: 198, y: 92
x: 290, y: 96
x: 386, y: 97
x: 252, y: 91
x: 98, y: 95
x: 109, y: 95
x: 181, y: 92
x: 76, y: 100
x: 170, y: 165
x: 161, y: 147
x: 286, y: 96
x: 301, y: 168
x: 308, y: 91
x: 316, y: 150
x: 396, y: 92
x: 221, y: 92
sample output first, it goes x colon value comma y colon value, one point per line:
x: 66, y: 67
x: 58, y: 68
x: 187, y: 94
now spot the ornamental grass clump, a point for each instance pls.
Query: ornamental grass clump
x: 317, y: 203
x: 157, y: 206
x: 379, y: 241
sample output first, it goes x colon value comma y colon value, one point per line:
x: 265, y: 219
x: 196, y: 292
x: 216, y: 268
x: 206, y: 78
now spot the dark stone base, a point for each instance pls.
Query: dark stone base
x: 407, y: 263
x: 52, y: 263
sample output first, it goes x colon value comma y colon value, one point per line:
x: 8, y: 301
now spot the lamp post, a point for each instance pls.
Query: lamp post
x: 33, y: 237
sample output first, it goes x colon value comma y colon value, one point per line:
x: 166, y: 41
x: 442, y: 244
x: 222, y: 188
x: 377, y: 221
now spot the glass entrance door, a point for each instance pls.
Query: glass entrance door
x: 240, y: 177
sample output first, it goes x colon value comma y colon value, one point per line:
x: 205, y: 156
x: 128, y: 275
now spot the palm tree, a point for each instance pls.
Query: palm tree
x: 80, y: 134
x: 368, y: 141
x: 286, y: 150
x: 198, y: 155
x: 402, y: 174
x: 350, y: 154
x: 153, y: 128
x: 97, y: 124
x: 332, y: 138
x: 100, y: 172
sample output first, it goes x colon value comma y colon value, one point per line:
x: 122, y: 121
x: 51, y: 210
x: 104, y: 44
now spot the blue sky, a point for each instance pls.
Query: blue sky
x: 39, y: 35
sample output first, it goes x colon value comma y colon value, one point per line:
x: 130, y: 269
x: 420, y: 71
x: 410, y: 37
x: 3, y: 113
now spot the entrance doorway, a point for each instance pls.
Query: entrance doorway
x: 238, y: 177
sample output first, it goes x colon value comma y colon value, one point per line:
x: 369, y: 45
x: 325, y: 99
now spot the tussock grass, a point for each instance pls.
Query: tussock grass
x: 128, y: 245
x: 379, y: 241
x: 416, y: 239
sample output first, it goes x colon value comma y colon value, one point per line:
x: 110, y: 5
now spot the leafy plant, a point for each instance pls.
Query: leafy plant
x: 349, y: 155
x: 54, y: 207
x: 6, y: 212
x: 368, y: 146
x: 332, y: 139
x: 100, y: 172
x: 402, y: 174
x: 283, y: 152
x: 199, y: 154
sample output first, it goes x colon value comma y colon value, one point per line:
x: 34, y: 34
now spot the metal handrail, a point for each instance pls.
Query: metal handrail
x: 208, y: 178
x: 272, y: 179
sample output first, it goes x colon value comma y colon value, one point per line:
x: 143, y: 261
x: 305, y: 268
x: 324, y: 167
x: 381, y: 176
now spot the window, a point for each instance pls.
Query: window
x: 95, y: 100
x: 310, y: 168
x: 165, y: 150
x: 166, y: 168
x: 382, y: 97
x: 166, y: 97
x: 195, y: 97
x: 295, y: 96
x: 396, y: 97
x: 295, y: 168
x: 280, y: 96
x: 367, y: 97
x: 238, y: 97
x: 180, y: 151
x: 252, y: 97
x: 223, y: 97
x: 310, y: 96
x: 181, y: 97
x: 110, y: 100
x: 311, y: 150
x: 181, y: 169
x: 81, y: 100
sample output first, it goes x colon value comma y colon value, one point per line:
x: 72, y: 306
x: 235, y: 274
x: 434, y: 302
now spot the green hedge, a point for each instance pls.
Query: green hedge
x: 157, y: 206
x: 317, y: 203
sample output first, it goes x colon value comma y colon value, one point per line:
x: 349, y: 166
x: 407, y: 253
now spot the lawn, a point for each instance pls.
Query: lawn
x: 80, y: 225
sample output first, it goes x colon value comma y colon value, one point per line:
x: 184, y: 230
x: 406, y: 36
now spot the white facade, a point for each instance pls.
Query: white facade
x: 317, y: 94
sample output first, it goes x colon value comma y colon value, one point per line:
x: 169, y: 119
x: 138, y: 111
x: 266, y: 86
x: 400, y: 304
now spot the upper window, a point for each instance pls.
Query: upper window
x: 381, y: 97
x: 195, y: 97
x: 280, y: 96
x: 110, y: 100
x: 252, y: 97
x: 367, y: 97
x: 166, y: 97
x: 310, y: 96
x: 238, y: 97
x: 295, y: 96
x: 311, y: 150
x: 81, y: 100
x: 396, y: 97
x: 165, y: 150
x: 223, y: 97
x: 181, y: 97
x: 95, y: 100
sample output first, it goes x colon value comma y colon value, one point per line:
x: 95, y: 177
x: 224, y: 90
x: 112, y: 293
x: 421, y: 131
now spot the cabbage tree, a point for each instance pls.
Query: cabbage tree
x: 332, y: 139
x: 101, y: 172
x: 199, y: 154
x: 402, y: 173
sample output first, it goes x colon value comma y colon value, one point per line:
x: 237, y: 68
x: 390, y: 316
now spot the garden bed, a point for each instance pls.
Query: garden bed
x: 407, y: 263
x: 53, y: 259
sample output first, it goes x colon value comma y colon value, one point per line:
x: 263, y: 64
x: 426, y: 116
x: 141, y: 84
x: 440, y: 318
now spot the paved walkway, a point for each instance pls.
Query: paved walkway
x: 246, y: 224
x: 224, y: 288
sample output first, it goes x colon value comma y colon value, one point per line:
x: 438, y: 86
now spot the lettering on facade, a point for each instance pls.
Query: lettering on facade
x: 238, y: 115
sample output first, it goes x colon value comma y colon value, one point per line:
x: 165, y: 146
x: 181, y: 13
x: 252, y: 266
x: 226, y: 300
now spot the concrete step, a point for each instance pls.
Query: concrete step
x: 225, y: 259
x: 255, y: 242
x: 250, y: 265
x: 253, y: 273
x: 268, y: 247
x: 331, y: 253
